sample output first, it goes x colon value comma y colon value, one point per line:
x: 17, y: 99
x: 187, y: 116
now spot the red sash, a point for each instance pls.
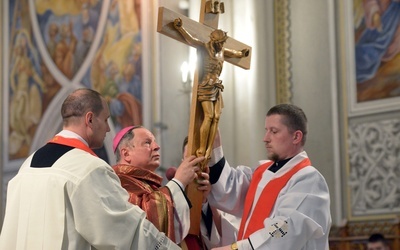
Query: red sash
x: 266, y: 202
x: 72, y: 142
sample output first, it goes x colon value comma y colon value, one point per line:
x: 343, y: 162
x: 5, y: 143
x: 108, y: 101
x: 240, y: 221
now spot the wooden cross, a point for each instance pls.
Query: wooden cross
x: 209, y: 14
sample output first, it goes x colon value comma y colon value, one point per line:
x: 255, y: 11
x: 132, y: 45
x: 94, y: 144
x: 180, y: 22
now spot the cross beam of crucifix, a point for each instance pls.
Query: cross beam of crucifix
x: 204, y: 34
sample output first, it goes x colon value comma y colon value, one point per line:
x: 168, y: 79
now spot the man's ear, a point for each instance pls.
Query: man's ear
x: 89, y: 118
x: 124, y: 154
x: 298, y: 136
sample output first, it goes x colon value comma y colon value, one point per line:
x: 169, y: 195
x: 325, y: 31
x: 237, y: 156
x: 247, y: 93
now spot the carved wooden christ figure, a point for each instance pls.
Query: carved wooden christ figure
x: 210, y: 86
x: 212, y: 45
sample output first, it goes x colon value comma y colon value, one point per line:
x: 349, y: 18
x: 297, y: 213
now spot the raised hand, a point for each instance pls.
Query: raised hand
x: 204, y: 185
x: 186, y: 172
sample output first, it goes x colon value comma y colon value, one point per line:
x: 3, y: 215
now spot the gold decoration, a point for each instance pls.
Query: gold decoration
x: 282, y: 53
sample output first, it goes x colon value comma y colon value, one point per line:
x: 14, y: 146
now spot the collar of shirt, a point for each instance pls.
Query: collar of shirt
x: 278, y: 165
x: 70, y: 134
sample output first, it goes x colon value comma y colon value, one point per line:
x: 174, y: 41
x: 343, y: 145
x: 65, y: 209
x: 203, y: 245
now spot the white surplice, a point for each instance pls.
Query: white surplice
x: 229, y: 230
x: 78, y: 203
x: 300, y: 218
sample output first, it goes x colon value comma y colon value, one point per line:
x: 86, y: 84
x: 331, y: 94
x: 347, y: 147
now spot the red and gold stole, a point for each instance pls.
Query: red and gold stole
x: 267, y: 199
x: 145, y: 191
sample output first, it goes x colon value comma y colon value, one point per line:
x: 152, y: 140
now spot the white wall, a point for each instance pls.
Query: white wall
x: 174, y: 103
x: 315, y: 87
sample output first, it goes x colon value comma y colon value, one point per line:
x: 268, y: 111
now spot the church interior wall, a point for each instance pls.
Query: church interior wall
x: 315, y: 87
x: 1, y: 115
x: 174, y: 96
x: 318, y: 86
x: 312, y: 52
x: 370, y: 132
x: 247, y: 94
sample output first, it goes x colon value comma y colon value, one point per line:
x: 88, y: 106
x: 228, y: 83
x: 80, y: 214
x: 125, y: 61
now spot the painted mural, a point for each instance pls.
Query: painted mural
x: 57, y: 45
x: 377, y: 47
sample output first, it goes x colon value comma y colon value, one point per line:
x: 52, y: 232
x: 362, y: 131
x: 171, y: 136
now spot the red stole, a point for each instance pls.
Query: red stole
x: 72, y: 142
x: 266, y: 202
x: 145, y: 190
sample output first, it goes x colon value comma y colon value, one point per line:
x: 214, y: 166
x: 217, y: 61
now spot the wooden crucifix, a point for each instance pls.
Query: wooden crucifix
x: 214, y: 47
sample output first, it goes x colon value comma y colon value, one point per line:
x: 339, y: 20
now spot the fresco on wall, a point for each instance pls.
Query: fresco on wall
x: 29, y: 93
x: 377, y: 47
x: 116, y: 70
x: 67, y: 30
x: 55, y: 46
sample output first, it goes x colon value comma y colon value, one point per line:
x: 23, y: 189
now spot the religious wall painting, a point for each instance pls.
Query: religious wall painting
x: 67, y: 30
x: 371, y: 148
x: 56, y: 46
x: 116, y: 70
x: 28, y: 91
x: 373, y: 30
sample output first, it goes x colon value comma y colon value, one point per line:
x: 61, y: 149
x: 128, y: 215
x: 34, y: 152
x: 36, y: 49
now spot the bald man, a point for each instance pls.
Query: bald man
x: 65, y: 197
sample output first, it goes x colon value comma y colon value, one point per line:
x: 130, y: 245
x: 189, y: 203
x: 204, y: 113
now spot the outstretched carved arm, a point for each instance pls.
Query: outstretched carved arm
x: 236, y: 53
x: 178, y: 25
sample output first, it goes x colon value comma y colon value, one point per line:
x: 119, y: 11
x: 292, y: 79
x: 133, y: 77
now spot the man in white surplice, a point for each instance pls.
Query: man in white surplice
x: 284, y: 202
x: 65, y: 197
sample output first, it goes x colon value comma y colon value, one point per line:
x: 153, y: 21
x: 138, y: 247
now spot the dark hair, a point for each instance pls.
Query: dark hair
x: 185, y: 142
x: 81, y: 101
x: 377, y: 237
x: 293, y: 117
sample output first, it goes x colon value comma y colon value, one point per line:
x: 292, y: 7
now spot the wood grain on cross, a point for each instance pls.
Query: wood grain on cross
x: 201, y: 30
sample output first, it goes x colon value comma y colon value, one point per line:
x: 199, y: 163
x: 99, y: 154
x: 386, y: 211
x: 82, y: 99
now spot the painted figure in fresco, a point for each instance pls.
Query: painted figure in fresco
x: 26, y: 86
x: 124, y: 106
x: 130, y: 81
x: 65, y: 49
x: 117, y: 87
x: 83, y: 46
x: 53, y: 32
x: 116, y: 69
x: 380, y: 41
x: 128, y: 100
x: 210, y: 86
x: 98, y: 67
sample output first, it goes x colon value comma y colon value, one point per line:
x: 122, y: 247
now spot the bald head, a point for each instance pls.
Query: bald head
x: 85, y: 112
x: 79, y: 102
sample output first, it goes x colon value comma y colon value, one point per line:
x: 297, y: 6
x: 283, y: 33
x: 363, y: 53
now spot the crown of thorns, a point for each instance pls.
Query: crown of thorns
x: 218, y: 36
